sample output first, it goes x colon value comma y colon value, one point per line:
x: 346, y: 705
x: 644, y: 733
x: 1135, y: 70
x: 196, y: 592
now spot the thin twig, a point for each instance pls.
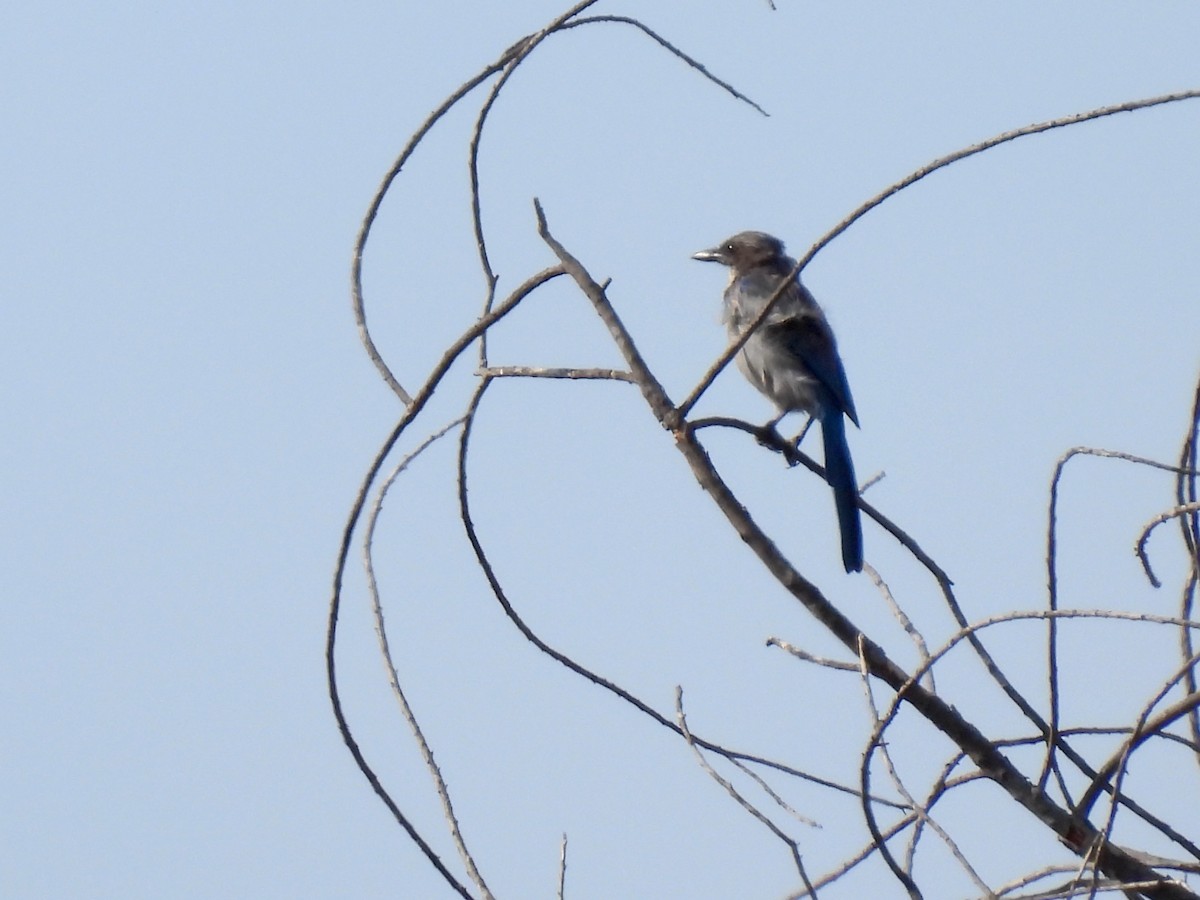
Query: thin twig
x: 681, y: 721
x: 902, y: 617
x: 393, y: 676
x: 550, y: 372
x: 562, y: 868
x: 797, y: 652
x: 667, y: 45
x: 1186, y: 509
x: 770, y: 792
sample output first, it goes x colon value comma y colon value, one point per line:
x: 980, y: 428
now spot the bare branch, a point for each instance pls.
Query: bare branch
x: 394, y: 678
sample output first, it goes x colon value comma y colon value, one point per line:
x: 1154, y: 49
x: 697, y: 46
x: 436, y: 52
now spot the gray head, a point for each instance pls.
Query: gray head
x: 745, y: 250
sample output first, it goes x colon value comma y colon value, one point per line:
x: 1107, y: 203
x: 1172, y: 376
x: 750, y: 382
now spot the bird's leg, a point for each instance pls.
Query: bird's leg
x: 803, y: 431
x: 769, y: 436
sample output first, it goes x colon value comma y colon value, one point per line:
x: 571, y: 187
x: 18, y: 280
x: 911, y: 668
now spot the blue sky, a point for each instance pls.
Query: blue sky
x: 188, y: 414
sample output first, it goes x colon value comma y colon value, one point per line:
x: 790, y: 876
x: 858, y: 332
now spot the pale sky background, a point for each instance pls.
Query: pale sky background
x: 188, y: 414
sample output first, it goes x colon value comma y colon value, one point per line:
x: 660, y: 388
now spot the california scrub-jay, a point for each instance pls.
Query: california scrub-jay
x: 792, y: 358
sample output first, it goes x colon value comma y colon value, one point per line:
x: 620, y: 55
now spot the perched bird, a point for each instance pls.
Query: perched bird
x: 792, y: 358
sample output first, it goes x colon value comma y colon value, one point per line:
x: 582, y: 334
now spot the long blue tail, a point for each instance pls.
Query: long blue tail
x: 840, y: 471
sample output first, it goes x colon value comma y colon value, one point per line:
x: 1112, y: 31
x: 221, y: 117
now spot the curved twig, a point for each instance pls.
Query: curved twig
x: 385, y: 650
x: 1187, y: 509
x: 671, y: 48
x: 364, y: 231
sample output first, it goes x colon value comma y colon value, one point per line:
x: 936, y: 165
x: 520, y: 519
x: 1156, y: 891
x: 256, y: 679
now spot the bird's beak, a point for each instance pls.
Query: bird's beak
x: 707, y: 256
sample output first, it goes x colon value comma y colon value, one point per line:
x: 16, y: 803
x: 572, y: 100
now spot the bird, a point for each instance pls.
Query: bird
x: 792, y: 359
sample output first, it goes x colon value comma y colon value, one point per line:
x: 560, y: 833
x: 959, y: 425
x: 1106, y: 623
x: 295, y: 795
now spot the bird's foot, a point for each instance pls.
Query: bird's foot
x: 768, y: 436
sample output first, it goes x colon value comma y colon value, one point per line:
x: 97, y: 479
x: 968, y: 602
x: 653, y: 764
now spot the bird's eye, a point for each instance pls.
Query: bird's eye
x: 728, y: 248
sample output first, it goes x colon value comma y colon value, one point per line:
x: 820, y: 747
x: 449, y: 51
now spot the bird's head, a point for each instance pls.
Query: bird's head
x: 744, y: 251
